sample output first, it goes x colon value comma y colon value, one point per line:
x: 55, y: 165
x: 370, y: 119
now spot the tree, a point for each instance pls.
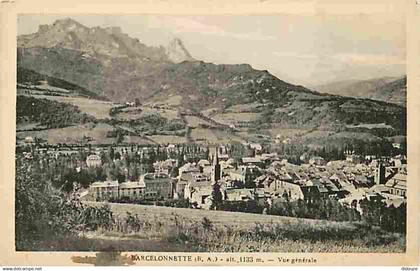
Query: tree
x: 373, y: 210
x: 216, y: 196
x: 111, y: 153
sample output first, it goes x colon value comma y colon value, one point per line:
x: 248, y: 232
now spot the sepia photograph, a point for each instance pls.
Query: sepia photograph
x: 277, y: 133
x: 261, y: 133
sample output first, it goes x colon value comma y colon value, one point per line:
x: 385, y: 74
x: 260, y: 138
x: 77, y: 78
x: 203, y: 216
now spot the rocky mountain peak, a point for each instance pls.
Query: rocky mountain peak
x: 67, y: 25
x: 110, y: 41
x: 177, y: 52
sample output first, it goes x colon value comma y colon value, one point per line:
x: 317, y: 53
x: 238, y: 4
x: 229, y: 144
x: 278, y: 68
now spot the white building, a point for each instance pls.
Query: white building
x: 93, y: 160
x: 104, y: 190
x: 132, y: 190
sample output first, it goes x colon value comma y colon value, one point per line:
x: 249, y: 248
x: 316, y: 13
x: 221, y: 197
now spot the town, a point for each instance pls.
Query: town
x: 207, y: 177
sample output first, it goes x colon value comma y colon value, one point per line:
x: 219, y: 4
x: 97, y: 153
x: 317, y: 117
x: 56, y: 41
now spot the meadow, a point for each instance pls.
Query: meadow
x: 96, y: 108
x: 190, y: 230
x: 97, y: 133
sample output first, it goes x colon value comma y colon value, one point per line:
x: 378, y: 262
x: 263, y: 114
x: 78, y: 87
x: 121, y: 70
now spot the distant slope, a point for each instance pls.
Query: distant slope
x: 353, y: 88
x: 33, y: 78
x: 388, y: 89
x: 393, y: 92
x: 48, y: 114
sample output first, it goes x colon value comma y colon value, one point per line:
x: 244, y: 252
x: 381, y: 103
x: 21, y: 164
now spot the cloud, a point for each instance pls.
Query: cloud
x: 347, y: 58
x: 296, y: 55
x: 370, y: 59
x: 179, y: 25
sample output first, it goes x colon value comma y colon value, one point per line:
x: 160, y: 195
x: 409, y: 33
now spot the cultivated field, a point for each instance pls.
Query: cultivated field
x: 140, y: 111
x: 213, y: 136
x: 73, y: 134
x: 98, y: 109
x: 194, y: 121
x: 235, y: 118
x: 137, y: 140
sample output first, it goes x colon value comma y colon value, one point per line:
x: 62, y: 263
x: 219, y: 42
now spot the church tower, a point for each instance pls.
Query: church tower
x: 216, y: 171
x: 380, y: 174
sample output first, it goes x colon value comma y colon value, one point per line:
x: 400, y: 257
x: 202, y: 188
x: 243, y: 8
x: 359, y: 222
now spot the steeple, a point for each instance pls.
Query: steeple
x: 216, y: 171
x: 216, y: 157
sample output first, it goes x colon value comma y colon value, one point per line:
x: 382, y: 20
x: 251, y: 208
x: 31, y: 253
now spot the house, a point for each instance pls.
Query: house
x: 263, y: 195
x: 341, y: 181
x: 203, y: 163
x: 280, y: 188
x: 188, y: 167
x: 179, y: 189
x: 104, y: 190
x: 250, y: 173
x: 198, y: 193
x: 239, y: 194
x: 399, y: 160
x: 132, y: 190
x: 398, y: 185
x: 332, y: 188
x: 360, y: 180
x: 233, y: 174
x: 255, y: 146
x: 317, y: 161
x: 164, y: 167
x: 317, y: 188
x: 158, y: 186
x: 353, y: 158
x: 29, y: 140
x: 204, y: 166
x: 252, y: 161
x: 397, y: 145
x: 184, y: 179
x: 93, y: 160
x: 353, y: 200
x: 268, y: 158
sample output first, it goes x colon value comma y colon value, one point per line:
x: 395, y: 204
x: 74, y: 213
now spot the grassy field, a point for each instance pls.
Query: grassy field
x: 217, y: 231
x: 236, y: 118
x: 241, y: 220
x: 213, y: 136
x: 194, y: 121
x: 137, y: 140
x: 73, y: 134
x: 170, y: 100
x: 166, y: 139
x: 286, y: 132
x: 242, y: 108
x: 371, y: 126
x: 140, y: 111
x: 98, y: 109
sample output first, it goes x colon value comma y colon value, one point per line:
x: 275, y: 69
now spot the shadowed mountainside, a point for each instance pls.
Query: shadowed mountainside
x: 387, y: 89
x: 111, y: 64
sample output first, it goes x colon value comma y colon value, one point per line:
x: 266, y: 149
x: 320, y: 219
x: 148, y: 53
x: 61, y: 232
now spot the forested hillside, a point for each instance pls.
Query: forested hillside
x: 48, y: 113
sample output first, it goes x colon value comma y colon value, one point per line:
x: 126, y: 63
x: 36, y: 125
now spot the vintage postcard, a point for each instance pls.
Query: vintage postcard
x: 209, y: 133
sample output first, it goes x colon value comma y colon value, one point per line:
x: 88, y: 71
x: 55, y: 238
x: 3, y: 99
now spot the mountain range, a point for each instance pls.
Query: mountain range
x: 111, y: 64
x: 388, y: 89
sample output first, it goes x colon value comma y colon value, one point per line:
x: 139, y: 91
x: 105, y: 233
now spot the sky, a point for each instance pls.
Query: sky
x: 310, y: 49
